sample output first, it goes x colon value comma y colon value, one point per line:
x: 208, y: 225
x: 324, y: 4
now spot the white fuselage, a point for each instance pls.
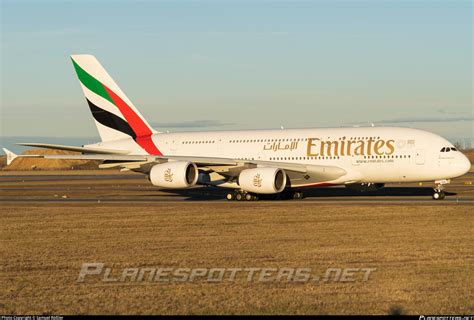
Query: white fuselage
x: 368, y: 155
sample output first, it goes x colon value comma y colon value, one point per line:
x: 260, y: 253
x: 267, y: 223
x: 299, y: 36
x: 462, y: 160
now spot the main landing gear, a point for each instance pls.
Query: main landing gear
x: 241, y: 195
x: 297, y: 195
x: 291, y: 195
x: 438, y: 191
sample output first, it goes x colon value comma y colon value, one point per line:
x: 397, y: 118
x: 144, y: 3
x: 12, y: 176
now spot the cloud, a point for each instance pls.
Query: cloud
x: 192, y: 124
x: 450, y: 111
x: 421, y: 120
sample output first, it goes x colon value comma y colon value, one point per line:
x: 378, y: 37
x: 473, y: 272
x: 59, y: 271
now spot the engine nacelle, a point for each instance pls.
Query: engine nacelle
x: 365, y: 187
x: 263, y: 180
x: 174, y: 174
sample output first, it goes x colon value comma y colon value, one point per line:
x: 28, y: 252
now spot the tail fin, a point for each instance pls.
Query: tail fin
x: 114, y: 114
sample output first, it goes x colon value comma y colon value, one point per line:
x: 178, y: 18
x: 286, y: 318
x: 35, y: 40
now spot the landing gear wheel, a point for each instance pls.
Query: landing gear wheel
x: 239, y: 196
x: 249, y: 197
x: 438, y: 195
x: 298, y: 195
x: 230, y: 196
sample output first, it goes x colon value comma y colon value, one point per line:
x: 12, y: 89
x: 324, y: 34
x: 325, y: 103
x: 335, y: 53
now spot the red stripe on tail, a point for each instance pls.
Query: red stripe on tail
x: 140, y: 128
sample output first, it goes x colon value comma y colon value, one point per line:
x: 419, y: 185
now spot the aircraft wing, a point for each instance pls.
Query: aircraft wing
x: 225, y: 166
x: 118, y: 158
x: 73, y: 148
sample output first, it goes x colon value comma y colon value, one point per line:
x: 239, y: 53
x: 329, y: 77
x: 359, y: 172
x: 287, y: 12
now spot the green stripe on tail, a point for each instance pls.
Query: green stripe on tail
x: 90, y: 82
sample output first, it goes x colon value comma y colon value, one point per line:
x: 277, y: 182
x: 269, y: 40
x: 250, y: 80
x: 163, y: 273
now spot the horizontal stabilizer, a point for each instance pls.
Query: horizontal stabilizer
x: 10, y: 156
x: 74, y: 148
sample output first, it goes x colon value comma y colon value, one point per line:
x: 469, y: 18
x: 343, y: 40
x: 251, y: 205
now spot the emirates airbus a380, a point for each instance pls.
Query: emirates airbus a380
x: 254, y: 162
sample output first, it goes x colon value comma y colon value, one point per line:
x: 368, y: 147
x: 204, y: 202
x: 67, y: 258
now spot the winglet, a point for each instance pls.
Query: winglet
x: 10, y: 156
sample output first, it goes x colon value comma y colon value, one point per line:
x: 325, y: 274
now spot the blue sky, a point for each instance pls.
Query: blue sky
x: 210, y: 65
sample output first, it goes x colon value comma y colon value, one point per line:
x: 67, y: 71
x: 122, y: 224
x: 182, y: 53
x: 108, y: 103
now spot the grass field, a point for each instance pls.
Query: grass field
x: 423, y: 255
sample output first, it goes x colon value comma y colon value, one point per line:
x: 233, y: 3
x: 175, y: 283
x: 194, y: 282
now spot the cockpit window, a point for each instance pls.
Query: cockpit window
x: 448, y: 149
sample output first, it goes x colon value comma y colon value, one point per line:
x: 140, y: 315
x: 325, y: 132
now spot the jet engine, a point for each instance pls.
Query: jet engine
x: 174, y: 174
x: 263, y: 180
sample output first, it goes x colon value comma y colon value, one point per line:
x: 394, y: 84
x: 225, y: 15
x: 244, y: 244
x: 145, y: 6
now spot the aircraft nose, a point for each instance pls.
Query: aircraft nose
x: 463, y: 164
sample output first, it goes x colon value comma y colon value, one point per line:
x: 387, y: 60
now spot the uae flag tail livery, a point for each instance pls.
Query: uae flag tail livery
x: 114, y: 114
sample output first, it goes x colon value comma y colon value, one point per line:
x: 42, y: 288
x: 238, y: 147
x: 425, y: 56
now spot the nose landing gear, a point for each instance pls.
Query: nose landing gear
x: 439, y: 193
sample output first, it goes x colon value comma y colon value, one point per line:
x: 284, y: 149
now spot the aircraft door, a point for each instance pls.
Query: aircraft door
x: 420, y: 157
x: 174, y: 146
